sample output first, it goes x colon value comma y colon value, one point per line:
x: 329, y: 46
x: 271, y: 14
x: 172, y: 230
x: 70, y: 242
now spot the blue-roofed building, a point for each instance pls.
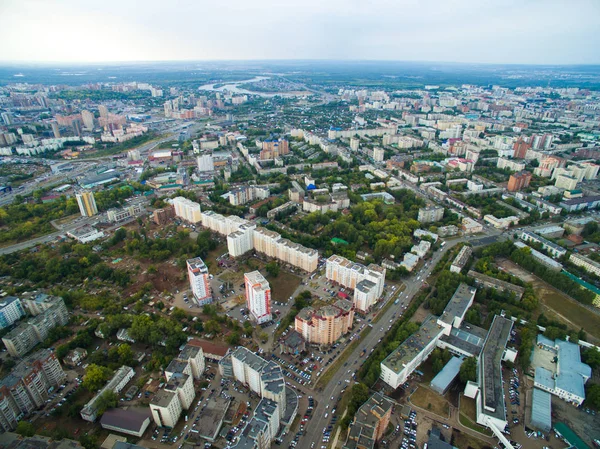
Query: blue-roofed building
x: 568, y: 381
x: 446, y: 376
x: 544, y: 379
x: 541, y: 410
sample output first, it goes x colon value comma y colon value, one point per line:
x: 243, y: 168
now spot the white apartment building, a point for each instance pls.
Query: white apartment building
x: 350, y: 274
x: 272, y: 245
x: 183, y: 386
x: 205, y: 163
x: 501, y: 223
x: 87, y: 204
x: 511, y: 165
x: 11, y: 310
x: 221, y: 224
x: 116, y: 215
x: 586, y: 263
x: 165, y: 408
x: 198, y: 277
x: 564, y: 181
x: 187, y: 209
x: 241, y: 241
x: 258, y: 296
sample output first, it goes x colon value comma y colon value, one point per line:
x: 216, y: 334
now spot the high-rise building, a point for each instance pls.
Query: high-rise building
x: 518, y: 181
x: 25, y: 389
x: 77, y: 127
x: 326, y: 325
x: 7, y: 118
x: 520, y: 148
x: 187, y: 209
x: 258, y: 296
x: 11, y: 310
x: 88, y: 119
x: 163, y: 216
x: 87, y: 204
x: 103, y: 110
x: 55, y: 130
x: 198, y: 277
x: 272, y: 149
x: 206, y: 163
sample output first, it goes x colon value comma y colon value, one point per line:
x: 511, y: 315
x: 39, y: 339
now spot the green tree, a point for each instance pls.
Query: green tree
x: 95, y: 377
x: 107, y: 400
x: 591, y: 356
x: 592, y: 397
x: 233, y: 339
x: 272, y: 268
x: 468, y: 370
x: 25, y: 429
x: 125, y: 354
x: 212, y: 327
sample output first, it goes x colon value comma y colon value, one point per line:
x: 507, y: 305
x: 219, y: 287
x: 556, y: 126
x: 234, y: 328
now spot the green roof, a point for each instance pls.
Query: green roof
x: 570, y: 436
x: 583, y: 283
x: 338, y: 241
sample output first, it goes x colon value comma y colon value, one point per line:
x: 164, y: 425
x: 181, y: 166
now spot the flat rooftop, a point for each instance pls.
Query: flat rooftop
x: 211, y: 417
x: 491, y: 369
x: 413, y: 345
x: 458, y: 304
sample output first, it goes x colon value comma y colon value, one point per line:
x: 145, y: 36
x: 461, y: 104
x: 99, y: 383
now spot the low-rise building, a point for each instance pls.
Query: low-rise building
x: 490, y: 282
x: 542, y: 258
x: 132, y: 421
x: 121, y: 377
x: 85, y: 234
x: 586, y: 263
x: 430, y: 214
x: 461, y: 259
x: 470, y: 226
x: 552, y: 248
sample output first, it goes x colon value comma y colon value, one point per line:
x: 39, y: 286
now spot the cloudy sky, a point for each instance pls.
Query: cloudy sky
x: 481, y: 31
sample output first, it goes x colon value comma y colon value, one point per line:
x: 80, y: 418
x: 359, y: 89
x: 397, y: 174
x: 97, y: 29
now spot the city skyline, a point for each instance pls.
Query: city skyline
x: 508, y: 32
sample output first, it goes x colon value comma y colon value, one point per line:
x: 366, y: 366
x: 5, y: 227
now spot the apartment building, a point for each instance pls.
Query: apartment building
x: 163, y: 216
x: 264, y: 378
x: 470, y: 226
x: 87, y: 204
x: 370, y: 423
x: 518, y: 181
x: 430, y: 214
x: 165, y: 408
x: 25, y: 336
x: 367, y: 282
x: 272, y: 245
x: 586, y: 263
x: 258, y: 297
x: 205, y: 163
x: 461, y: 259
x: 11, y: 310
x: 510, y: 164
x: 241, y: 241
x: 121, y: 377
x: 246, y: 194
x: 187, y: 210
x: 25, y: 389
x: 326, y: 325
x: 221, y: 224
x: 199, y: 281
x: 553, y: 249
x: 272, y: 149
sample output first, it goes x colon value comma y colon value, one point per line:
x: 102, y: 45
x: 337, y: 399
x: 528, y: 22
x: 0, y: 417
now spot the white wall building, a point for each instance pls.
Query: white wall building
x: 205, y: 163
x: 187, y: 209
x: 199, y: 281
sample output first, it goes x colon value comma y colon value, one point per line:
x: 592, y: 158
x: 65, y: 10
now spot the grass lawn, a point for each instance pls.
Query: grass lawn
x: 461, y: 439
x: 556, y: 305
x: 468, y: 415
x: 431, y: 401
x: 211, y: 259
x: 339, y: 362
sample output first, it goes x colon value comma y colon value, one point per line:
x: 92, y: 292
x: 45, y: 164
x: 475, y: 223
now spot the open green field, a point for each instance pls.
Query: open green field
x: 468, y: 415
x: 431, y: 401
x: 556, y: 305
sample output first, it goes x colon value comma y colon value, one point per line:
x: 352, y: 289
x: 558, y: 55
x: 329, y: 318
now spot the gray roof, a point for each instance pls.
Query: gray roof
x: 569, y: 358
x: 131, y: 419
x: 541, y: 410
x: 459, y: 303
x: 490, y: 369
x: 572, y: 382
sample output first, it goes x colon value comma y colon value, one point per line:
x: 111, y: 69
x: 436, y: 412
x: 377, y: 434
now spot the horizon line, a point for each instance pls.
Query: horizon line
x: 271, y: 60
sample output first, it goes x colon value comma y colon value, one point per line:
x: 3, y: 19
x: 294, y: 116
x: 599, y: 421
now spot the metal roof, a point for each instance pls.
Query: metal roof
x: 544, y: 377
x: 444, y: 378
x: 541, y: 410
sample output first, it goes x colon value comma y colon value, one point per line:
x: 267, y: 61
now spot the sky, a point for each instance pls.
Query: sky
x: 470, y: 31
